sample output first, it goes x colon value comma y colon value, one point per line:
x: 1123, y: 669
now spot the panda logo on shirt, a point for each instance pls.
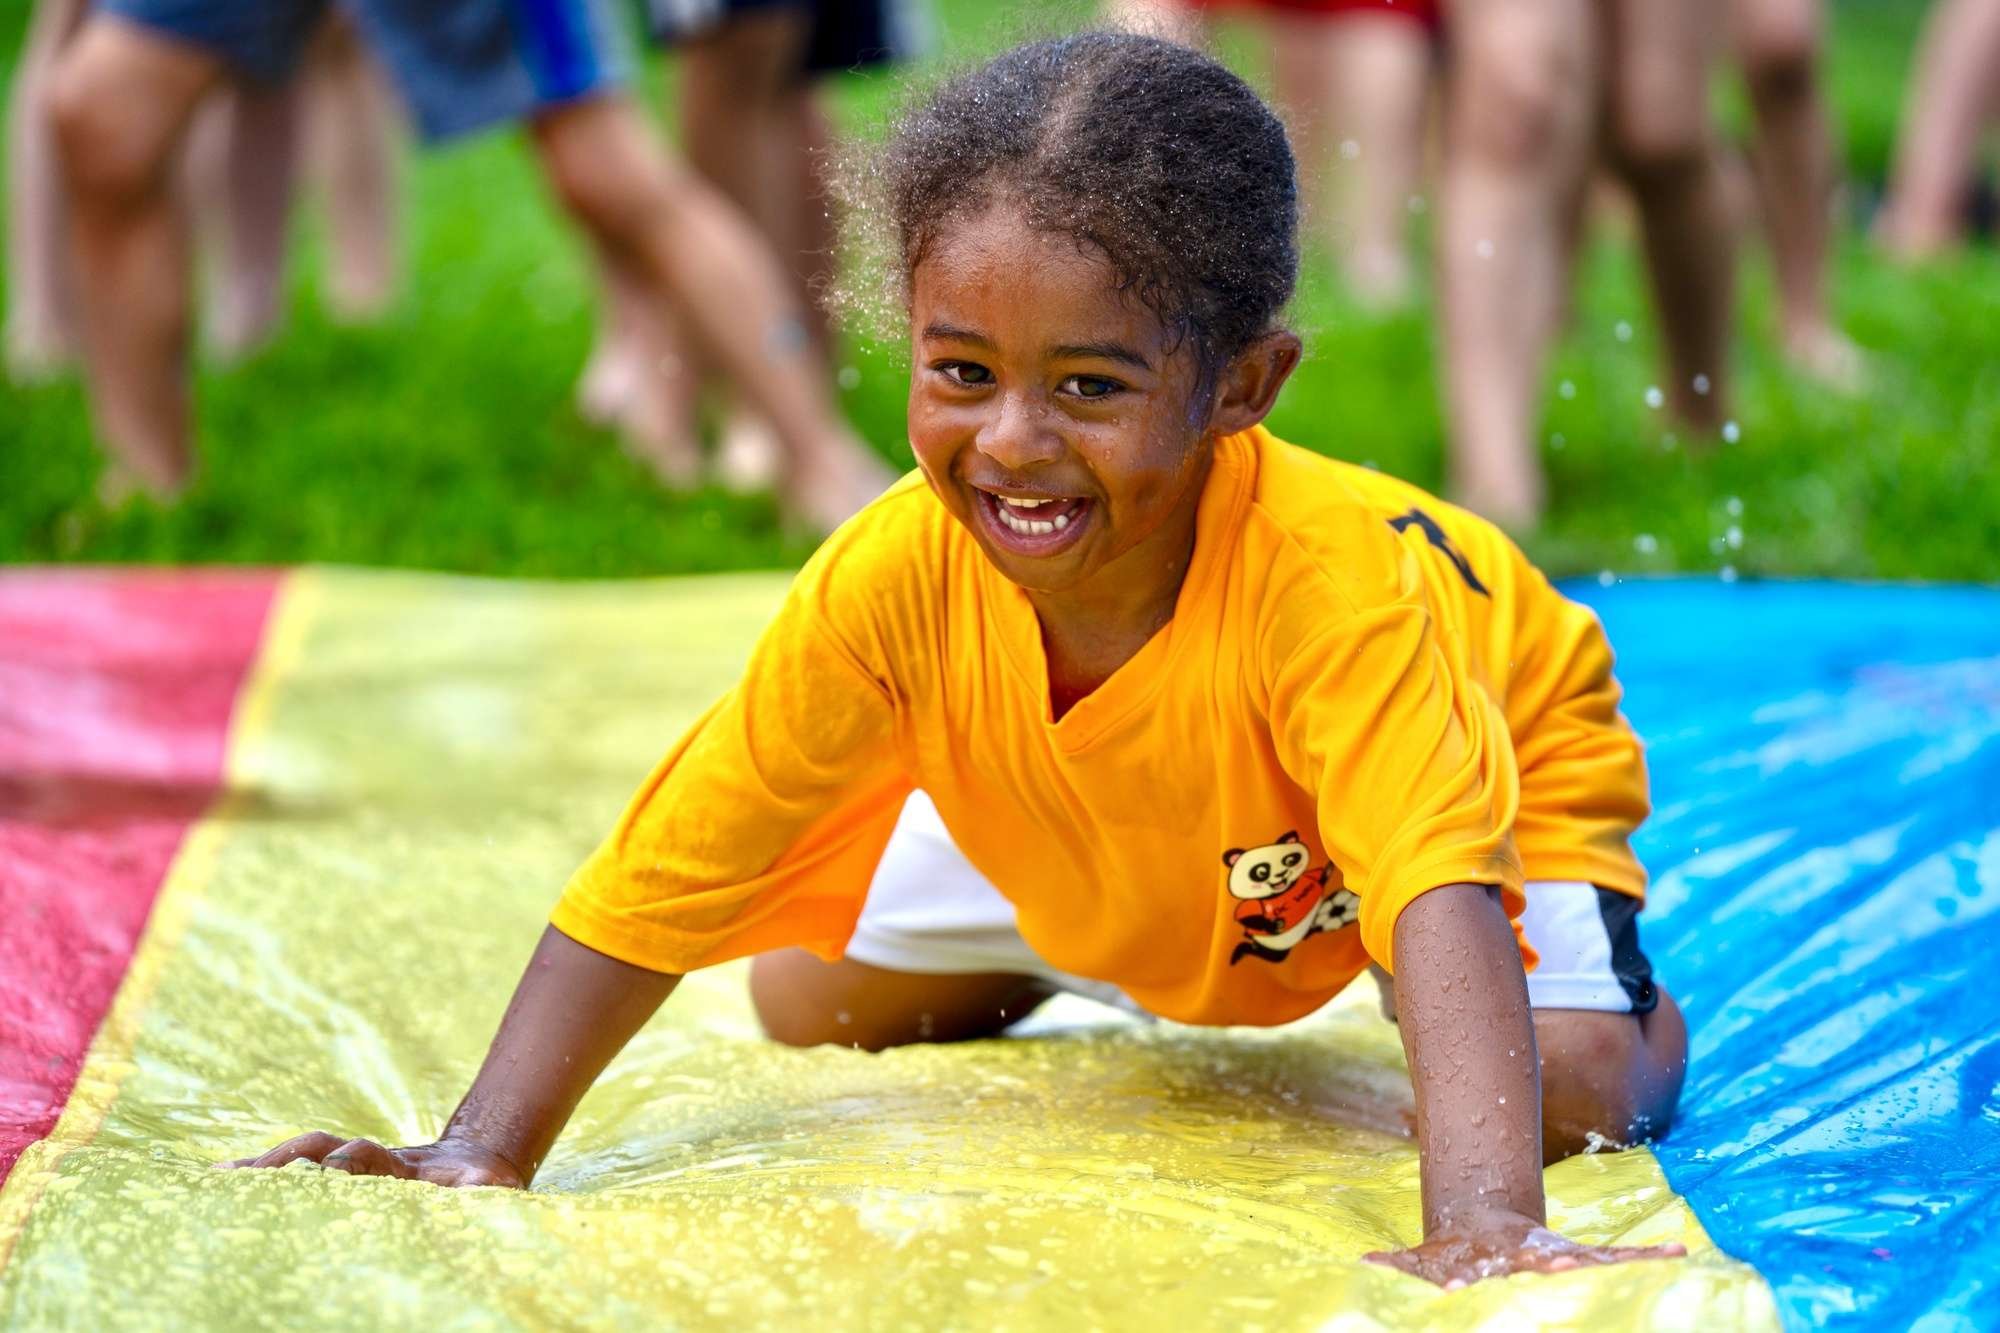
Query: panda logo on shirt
x: 1280, y: 899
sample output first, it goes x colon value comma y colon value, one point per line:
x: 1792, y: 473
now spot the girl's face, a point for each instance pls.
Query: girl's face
x: 1053, y: 414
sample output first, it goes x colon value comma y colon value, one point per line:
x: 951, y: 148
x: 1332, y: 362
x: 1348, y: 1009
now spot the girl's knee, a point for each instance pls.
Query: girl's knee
x: 1609, y: 1081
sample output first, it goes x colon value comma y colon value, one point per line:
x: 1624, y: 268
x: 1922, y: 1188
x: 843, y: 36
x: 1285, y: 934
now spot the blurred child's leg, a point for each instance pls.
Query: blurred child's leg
x: 1176, y: 20
x: 1778, y: 45
x: 743, y: 98
x: 243, y: 167
x: 640, y: 378
x: 352, y: 128
x: 41, y: 317
x: 122, y: 99
x: 1522, y: 84
x: 1954, y: 94
x: 1379, y: 81
x: 1663, y: 143
x: 697, y: 254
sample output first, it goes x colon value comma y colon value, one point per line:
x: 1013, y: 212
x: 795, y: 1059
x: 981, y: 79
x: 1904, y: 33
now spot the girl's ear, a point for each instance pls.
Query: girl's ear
x: 1249, y: 384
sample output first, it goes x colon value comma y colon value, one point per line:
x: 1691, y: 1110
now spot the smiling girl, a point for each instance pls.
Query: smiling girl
x: 1125, y: 696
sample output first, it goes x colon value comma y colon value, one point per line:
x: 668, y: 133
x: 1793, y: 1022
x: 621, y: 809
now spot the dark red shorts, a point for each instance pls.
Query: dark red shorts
x: 1420, y: 11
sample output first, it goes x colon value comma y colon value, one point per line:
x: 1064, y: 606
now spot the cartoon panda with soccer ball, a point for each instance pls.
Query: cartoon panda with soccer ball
x: 1280, y: 900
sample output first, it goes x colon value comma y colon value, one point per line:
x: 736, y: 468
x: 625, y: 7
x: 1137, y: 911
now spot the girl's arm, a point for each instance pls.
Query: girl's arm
x: 1462, y: 1004
x: 574, y: 1009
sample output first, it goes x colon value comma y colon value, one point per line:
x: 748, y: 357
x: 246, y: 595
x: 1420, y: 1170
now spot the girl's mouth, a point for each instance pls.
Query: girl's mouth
x: 1033, y: 525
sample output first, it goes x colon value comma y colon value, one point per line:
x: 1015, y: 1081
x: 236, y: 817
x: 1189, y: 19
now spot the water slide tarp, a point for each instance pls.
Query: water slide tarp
x: 273, y: 849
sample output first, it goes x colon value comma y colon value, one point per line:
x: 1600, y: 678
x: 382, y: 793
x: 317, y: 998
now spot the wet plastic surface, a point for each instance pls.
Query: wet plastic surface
x: 1826, y: 849
x: 115, y: 695
x: 427, y: 758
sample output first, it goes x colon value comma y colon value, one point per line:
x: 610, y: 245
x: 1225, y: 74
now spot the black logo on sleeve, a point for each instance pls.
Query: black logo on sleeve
x: 1437, y: 537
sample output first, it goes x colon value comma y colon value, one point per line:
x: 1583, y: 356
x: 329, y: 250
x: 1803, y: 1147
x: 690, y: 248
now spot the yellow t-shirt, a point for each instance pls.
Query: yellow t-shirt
x: 1364, y: 694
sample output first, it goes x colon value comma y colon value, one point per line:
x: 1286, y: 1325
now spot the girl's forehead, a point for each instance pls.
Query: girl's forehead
x: 997, y: 262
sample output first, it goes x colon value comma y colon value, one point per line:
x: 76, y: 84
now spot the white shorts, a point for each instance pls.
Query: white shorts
x: 929, y: 911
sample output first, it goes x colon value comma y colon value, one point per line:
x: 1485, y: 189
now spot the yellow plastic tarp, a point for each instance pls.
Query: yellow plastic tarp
x: 417, y: 764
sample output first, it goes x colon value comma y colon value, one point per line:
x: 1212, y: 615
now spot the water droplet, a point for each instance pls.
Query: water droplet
x: 1605, y: 578
x: 1733, y: 506
x: 1729, y: 573
x: 1349, y: 149
x: 1731, y: 432
x: 1645, y: 544
x: 843, y: 1017
x: 1701, y: 385
x: 1654, y: 398
x: 1567, y: 389
x: 849, y: 378
x: 1484, y: 249
x: 1734, y: 537
x: 1622, y: 331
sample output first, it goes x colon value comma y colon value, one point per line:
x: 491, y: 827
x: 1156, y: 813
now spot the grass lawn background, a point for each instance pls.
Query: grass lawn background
x: 444, y: 437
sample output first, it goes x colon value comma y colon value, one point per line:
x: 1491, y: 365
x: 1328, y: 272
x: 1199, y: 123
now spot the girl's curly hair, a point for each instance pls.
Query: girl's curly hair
x: 1151, y: 153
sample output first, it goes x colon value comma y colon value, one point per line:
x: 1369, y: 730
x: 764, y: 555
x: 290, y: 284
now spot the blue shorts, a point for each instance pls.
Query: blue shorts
x: 462, y: 65
x: 846, y: 34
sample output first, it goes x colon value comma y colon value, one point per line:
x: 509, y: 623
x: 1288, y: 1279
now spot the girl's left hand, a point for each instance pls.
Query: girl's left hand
x: 1503, y: 1243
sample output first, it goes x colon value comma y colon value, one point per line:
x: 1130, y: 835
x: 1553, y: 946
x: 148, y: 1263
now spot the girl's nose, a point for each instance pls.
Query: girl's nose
x: 1017, y: 434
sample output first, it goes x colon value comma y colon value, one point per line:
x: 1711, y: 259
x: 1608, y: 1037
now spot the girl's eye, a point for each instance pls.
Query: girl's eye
x: 965, y: 373
x: 1091, y: 387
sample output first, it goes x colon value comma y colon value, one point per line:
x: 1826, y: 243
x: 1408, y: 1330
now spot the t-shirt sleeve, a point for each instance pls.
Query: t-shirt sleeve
x: 762, y: 828
x: 1409, y: 762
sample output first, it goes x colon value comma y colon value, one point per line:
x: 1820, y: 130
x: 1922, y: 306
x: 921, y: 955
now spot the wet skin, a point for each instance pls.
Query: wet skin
x: 1036, y: 378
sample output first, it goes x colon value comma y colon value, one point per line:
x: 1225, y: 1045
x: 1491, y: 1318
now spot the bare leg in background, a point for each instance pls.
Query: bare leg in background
x: 123, y: 99
x: 352, y: 132
x: 1356, y: 88
x: 1954, y: 94
x: 242, y: 171
x: 665, y: 227
x: 1662, y: 142
x: 42, y: 331
x: 1778, y: 44
x: 1521, y: 92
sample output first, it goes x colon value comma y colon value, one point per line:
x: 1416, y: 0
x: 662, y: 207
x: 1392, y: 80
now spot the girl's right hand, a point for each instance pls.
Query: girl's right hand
x: 453, y: 1162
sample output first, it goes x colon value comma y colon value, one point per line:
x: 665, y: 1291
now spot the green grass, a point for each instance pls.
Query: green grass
x: 444, y: 437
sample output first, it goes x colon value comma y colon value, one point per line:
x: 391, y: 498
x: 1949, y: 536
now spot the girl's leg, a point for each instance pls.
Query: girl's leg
x: 1521, y: 87
x: 802, y: 1001
x: 1778, y: 45
x: 1663, y: 143
x: 1952, y: 97
x: 1609, y: 1080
